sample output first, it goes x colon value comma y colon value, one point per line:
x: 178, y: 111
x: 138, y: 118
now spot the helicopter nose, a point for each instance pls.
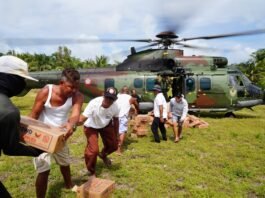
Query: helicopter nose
x: 255, y: 91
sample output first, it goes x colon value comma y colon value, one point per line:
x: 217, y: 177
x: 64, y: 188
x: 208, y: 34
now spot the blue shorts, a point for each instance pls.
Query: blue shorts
x: 177, y: 119
x: 123, y: 124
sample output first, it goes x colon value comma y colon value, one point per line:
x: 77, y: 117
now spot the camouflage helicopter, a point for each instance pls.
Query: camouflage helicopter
x: 207, y: 82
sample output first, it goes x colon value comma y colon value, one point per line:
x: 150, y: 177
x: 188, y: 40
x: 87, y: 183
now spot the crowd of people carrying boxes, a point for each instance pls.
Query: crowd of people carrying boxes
x: 106, y: 115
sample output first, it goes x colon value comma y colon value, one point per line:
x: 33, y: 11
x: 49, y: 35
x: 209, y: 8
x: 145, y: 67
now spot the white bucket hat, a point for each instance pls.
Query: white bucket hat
x: 13, y: 65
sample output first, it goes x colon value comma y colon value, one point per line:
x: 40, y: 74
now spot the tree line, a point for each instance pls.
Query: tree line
x: 59, y: 60
x: 254, y: 68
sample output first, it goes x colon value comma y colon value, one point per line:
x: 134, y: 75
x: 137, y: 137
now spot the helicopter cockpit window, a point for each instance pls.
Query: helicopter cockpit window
x: 239, y: 81
x: 138, y: 83
x: 232, y: 81
x: 190, y: 84
x: 205, y: 84
x: 236, y: 81
x: 150, y: 83
x: 109, y: 82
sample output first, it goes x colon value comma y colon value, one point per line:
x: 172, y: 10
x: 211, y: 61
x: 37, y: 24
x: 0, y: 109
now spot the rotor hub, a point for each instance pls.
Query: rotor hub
x: 167, y: 35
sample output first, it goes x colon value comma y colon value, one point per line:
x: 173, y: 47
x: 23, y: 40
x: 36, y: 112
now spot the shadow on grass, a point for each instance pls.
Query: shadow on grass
x: 129, y: 140
x: 55, y: 190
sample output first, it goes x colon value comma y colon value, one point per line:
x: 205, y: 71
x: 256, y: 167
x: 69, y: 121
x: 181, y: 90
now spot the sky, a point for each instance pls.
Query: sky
x: 132, y: 19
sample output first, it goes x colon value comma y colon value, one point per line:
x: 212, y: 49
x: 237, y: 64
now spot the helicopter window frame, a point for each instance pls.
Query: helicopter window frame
x: 189, y: 88
x: 150, y: 83
x: 138, y: 83
x: 239, y: 81
x: 205, y: 83
x: 236, y: 80
x: 109, y: 82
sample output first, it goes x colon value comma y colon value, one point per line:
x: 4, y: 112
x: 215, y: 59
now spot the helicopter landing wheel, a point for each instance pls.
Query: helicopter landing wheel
x: 230, y: 115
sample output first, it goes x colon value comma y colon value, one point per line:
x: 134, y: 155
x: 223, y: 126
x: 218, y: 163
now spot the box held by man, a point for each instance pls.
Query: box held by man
x: 40, y: 135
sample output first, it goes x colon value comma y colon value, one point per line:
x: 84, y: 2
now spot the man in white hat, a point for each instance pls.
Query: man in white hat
x: 13, y: 72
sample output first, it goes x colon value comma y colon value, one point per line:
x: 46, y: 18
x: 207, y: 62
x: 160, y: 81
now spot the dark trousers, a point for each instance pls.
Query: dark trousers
x: 3, y: 192
x: 154, y: 127
x: 110, y: 141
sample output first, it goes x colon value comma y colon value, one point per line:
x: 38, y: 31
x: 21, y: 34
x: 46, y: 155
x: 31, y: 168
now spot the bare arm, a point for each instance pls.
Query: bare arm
x: 82, y: 119
x: 78, y: 100
x: 73, y: 119
x: 39, y: 103
x: 133, y: 101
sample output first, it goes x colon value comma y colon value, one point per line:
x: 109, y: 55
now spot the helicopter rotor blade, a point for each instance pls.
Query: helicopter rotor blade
x: 58, y: 41
x: 146, y: 46
x: 195, y: 46
x: 126, y: 52
x: 189, y: 46
x: 245, y: 33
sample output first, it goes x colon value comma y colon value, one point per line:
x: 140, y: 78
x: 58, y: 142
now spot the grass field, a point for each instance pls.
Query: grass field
x: 225, y: 160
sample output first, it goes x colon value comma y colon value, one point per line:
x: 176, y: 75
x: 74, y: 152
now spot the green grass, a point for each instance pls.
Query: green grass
x: 225, y: 160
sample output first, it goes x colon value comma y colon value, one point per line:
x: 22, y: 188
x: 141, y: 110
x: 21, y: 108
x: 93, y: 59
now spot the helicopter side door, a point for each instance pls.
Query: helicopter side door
x: 211, y: 92
x: 178, y: 85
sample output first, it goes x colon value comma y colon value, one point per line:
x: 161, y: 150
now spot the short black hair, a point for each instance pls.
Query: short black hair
x: 178, y: 95
x: 71, y: 75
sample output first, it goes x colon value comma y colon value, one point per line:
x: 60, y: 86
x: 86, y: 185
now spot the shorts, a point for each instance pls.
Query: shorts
x: 177, y: 119
x: 123, y: 124
x: 42, y: 163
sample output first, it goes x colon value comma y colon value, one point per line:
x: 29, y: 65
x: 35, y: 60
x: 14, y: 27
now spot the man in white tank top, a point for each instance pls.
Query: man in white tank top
x: 52, y: 105
x: 124, y: 102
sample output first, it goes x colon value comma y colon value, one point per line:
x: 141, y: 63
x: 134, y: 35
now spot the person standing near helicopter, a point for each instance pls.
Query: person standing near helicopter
x: 160, y: 114
x: 125, y: 102
x: 178, y: 108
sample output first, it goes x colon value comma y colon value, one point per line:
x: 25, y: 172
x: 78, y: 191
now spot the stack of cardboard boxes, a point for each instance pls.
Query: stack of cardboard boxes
x: 140, y: 125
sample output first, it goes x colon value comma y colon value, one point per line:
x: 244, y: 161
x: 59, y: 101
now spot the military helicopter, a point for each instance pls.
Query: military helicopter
x: 207, y: 82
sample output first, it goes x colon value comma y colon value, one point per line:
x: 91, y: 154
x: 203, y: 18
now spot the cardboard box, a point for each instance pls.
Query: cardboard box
x: 40, y: 135
x: 96, y: 188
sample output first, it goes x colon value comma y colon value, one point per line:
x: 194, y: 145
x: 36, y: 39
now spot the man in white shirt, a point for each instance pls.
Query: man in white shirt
x: 101, y: 117
x: 124, y: 102
x: 160, y: 114
x: 179, y: 109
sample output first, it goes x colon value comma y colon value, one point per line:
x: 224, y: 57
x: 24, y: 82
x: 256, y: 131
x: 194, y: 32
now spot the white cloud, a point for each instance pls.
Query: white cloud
x: 132, y: 19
